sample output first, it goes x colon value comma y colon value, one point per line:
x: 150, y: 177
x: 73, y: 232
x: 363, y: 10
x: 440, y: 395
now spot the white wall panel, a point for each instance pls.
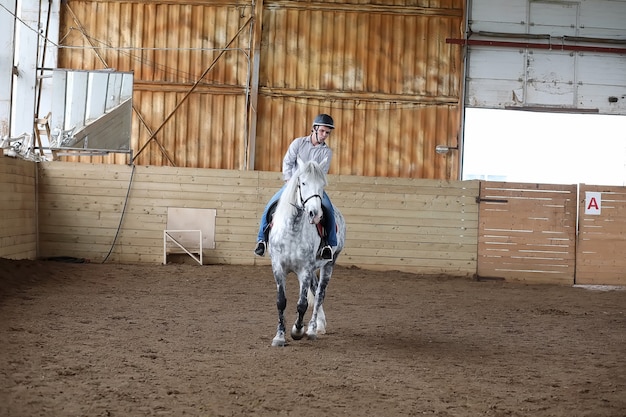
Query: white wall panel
x: 548, y: 71
x: 608, y: 70
x: 494, y: 93
x: 510, y: 63
x: 6, y: 63
x: 23, y: 39
x: 486, y: 15
x: 551, y: 79
x: 553, y: 18
x: 603, y: 19
x: 23, y: 117
x: 600, y: 96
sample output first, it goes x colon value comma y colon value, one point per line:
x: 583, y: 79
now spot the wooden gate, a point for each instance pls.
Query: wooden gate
x: 601, y: 244
x: 527, y: 232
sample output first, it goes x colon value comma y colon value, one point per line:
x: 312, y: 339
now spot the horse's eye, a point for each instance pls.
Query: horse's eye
x: 304, y: 183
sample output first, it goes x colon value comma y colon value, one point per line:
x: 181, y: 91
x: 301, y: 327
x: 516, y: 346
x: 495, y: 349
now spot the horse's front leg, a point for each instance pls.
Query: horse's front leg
x: 317, y: 324
x: 297, y: 331
x: 281, y: 304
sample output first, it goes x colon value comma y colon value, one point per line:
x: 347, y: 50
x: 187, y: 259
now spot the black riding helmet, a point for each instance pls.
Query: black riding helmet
x: 323, y: 120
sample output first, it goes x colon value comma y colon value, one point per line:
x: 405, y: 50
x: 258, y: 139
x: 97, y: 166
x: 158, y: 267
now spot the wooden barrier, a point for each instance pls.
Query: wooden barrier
x: 18, y: 208
x: 117, y: 213
x: 527, y: 232
x: 425, y: 226
x: 601, y: 245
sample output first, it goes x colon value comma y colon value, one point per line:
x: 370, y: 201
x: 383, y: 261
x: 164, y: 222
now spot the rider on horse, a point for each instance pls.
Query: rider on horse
x: 312, y: 147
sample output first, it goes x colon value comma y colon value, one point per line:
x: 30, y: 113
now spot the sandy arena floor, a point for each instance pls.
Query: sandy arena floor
x: 184, y: 340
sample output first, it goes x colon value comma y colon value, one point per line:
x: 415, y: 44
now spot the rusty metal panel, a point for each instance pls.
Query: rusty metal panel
x: 383, y: 70
x: 527, y: 232
x: 383, y: 140
x: 601, y: 245
x: 191, y: 65
x: 385, y: 74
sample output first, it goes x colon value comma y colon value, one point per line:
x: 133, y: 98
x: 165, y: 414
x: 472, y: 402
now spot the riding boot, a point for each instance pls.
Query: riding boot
x: 327, y: 250
x: 260, y: 248
x: 261, y: 245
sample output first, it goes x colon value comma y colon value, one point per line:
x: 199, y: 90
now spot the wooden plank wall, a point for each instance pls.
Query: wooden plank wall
x: 18, y: 205
x: 425, y: 226
x: 522, y: 232
x: 601, y: 244
x: 527, y: 232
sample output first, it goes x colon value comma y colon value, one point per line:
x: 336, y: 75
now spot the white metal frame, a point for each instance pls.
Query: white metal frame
x: 167, y: 235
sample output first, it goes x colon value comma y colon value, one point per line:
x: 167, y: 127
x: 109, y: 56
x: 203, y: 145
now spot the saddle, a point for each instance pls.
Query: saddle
x: 321, y: 226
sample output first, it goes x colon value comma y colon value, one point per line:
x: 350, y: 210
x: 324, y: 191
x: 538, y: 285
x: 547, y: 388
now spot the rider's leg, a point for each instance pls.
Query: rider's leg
x: 263, y: 233
x: 331, y: 228
x: 329, y: 225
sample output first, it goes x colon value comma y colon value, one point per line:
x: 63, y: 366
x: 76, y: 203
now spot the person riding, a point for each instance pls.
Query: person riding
x: 307, y: 148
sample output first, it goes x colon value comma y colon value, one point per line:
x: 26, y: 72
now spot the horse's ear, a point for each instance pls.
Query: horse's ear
x: 299, y: 162
x: 323, y: 162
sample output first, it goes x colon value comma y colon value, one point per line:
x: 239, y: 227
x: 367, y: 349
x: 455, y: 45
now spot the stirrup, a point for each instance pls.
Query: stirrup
x: 260, y: 248
x: 327, y: 252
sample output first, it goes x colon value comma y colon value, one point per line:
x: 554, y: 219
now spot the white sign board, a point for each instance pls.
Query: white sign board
x: 593, y: 203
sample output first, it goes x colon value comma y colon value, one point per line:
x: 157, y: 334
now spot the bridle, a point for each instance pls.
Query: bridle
x: 302, y: 200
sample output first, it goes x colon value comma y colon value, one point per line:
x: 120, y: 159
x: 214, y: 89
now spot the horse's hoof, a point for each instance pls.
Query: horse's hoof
x: 278, y: 342
x: 311, y: 336
x: 321, y: 326
x: 297, y: 334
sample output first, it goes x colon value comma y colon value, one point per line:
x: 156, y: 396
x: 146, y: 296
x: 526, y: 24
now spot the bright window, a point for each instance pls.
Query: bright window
x: 549, y: 148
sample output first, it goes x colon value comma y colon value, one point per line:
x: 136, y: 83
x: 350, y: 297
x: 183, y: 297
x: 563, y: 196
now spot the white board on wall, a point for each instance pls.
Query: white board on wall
x: 183, y: 218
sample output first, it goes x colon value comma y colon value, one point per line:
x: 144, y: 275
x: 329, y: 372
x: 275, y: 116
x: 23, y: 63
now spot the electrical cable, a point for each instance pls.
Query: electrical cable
x: 119, y: 226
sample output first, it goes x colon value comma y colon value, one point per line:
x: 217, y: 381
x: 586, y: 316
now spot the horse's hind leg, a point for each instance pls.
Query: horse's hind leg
x: 317, y: 324
x: 281, y: 304
x: 297, y: 331
x: 321, y: 317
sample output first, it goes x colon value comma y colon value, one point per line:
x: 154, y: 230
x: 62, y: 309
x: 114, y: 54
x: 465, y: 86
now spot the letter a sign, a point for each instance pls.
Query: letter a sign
x: 593, y: 203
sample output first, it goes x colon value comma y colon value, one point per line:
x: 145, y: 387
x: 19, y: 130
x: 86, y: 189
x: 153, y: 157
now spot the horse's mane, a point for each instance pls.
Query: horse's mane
x: 313, y: 172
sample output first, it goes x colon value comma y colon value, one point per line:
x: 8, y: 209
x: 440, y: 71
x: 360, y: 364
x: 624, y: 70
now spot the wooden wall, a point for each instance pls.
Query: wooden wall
x: 527, y: 232
x: 227, y: 84
x: 426, y: 226
x: 18, y: 208
x: 117, y: 213
x: 601, y: 244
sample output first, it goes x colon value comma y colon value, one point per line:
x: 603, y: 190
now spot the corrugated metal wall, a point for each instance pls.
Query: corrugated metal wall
x: 191, y: 67
x: 383, y: 72
x: 382, y: 69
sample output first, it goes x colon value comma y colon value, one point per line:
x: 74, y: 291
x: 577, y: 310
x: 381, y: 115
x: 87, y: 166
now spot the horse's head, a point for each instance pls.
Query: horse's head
x: 311, y: 182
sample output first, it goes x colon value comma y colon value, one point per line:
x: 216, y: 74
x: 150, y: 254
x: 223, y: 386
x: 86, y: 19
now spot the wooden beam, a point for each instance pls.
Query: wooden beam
x: 365, y: 8
x: 257, y: 34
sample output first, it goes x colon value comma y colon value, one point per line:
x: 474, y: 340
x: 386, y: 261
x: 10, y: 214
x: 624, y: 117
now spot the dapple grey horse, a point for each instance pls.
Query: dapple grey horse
x: 294, y: 242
